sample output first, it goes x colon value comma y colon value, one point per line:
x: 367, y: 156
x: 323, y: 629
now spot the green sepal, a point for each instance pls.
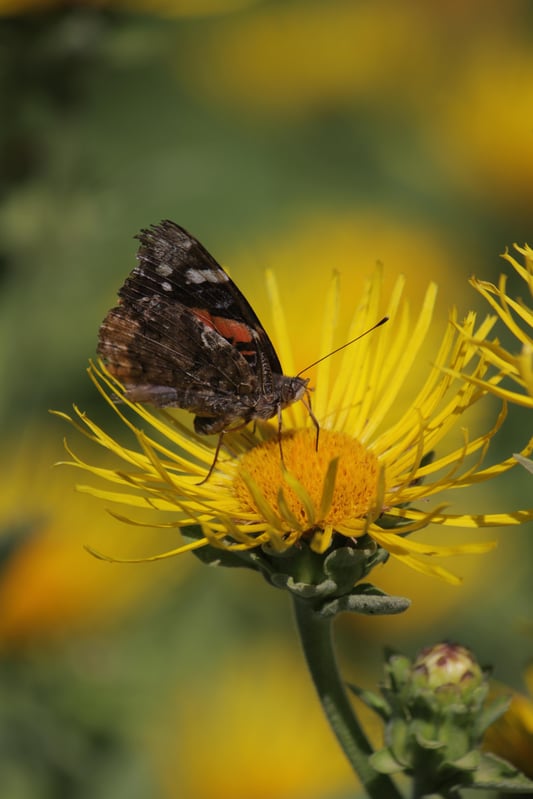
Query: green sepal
x: 346, y: 566
x: 364, y: 598
x: 398, y: 669
x: 373, y: 701
x: 384, y: 762
x: 397, y: 737
x: 329, y: 581
x: 303, y: 590
x: 424, y: 733
x: 497, y: 774
x: 468, y: 762
x: 491, y: 712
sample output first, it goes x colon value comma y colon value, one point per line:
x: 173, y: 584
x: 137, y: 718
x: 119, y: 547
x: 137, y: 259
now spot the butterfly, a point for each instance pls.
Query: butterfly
x: 184, y: 336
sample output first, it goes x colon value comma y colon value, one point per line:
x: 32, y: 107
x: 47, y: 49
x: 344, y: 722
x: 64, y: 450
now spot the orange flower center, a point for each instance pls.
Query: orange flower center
x: 334, y: 496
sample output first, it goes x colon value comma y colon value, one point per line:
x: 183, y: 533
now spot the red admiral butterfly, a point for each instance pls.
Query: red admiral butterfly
x: 183, y: 335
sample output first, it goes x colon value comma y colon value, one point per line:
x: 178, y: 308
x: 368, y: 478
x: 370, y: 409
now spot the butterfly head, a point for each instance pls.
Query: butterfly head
x: 291, y: 389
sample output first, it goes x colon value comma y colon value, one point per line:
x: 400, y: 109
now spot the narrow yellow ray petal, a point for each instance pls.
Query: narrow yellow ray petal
x: 189, y: 547
x: 468, y: 519
x: 429, y: 569
x: 395, y: 543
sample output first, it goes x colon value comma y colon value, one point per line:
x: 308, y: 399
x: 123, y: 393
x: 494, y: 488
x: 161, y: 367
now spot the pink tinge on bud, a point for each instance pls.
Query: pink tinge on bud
x: 447, y: 664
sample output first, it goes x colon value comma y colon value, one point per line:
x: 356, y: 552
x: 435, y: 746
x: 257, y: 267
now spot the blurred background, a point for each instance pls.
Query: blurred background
x: 306, y: 136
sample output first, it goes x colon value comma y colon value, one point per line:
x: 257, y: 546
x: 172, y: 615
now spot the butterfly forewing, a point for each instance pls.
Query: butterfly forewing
x: 184, y: 335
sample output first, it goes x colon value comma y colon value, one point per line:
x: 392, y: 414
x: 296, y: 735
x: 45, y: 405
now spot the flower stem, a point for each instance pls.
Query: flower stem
x: 317, y: 641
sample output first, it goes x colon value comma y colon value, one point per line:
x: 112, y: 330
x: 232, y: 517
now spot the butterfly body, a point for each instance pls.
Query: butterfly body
x: 184, y: 336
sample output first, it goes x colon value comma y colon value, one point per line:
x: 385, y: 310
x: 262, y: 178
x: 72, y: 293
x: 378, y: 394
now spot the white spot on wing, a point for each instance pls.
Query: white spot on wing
x: 198, y: 276
x: 164, y: 270
x: 166, y: 286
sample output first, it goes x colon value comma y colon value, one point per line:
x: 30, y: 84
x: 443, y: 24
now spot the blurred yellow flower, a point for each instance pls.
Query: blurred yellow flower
x: 518, y: 318
x: 49, y: 585
x: 260, y: 702
x: 297, y: 58
x: 511, y: 736
x: 252, y: 500
x: 487, y: 149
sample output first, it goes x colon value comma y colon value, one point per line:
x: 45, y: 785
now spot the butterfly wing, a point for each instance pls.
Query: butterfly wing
x: 183, y: 334
x: 172, y: 258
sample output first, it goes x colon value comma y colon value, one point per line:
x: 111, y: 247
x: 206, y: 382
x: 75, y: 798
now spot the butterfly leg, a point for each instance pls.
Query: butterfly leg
x: 279, y: 439
x: 205, y: 425
x: 215, y: 458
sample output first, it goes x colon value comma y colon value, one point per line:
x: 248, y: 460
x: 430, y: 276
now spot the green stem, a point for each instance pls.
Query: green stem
x: 317, y: 641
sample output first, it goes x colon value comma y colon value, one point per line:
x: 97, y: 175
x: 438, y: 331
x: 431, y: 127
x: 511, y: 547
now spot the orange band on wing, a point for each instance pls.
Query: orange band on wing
x: 231, y: 329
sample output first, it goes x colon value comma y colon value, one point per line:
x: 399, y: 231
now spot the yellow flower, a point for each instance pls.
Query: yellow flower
x: 373, y: 473
x: 518, y: 318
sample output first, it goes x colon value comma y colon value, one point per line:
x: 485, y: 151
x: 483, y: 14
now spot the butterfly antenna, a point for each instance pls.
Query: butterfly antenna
x: 347, y: 344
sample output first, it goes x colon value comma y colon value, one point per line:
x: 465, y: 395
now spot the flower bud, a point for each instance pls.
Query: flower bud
x: 449, y: 673
x: 436, y: 712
